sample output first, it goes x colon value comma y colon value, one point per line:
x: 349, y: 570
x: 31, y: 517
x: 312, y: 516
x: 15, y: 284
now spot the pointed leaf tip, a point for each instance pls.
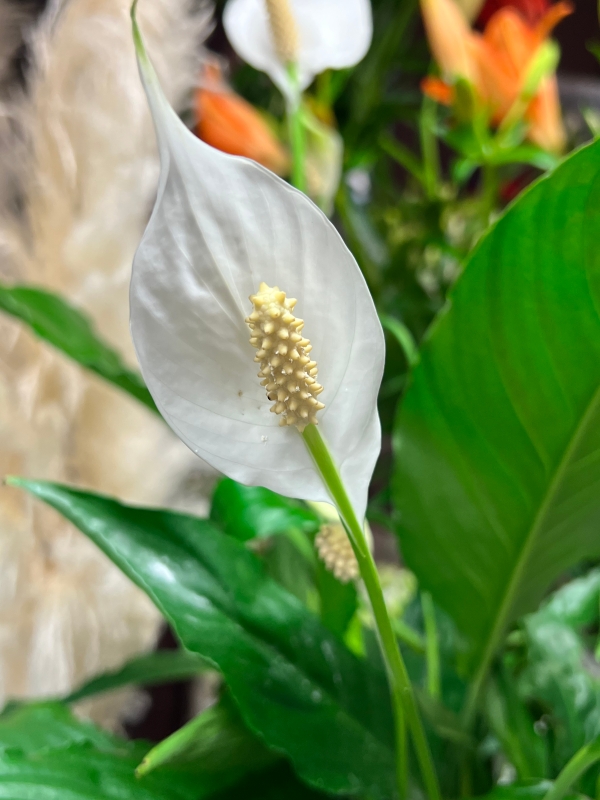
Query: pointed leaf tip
x: 137, y: 36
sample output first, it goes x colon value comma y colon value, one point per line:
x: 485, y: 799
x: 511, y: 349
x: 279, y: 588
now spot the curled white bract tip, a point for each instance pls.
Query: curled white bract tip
x: 220, y: 226
x: 331, y: 34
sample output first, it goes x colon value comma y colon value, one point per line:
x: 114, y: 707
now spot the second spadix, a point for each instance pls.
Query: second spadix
x: 221, y: 226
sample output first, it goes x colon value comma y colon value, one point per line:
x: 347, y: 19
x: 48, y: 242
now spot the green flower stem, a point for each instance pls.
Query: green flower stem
x: 581, y: 761
x: 432, y: 650
x: 490, y: 190
x: 296, y: 132
x: 403, y: 699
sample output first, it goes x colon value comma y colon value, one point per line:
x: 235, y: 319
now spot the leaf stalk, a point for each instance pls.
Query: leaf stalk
x: 404, y: 703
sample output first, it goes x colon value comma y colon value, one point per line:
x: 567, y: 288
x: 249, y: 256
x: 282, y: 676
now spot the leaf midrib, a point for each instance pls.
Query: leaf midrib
x: 530, y: 540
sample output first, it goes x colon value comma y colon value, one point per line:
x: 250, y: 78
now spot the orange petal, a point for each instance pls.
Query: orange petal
x: 507, y: 33
x: 551, y: 18
x: 228, y: 123
x: 438, y: 91
x: 499, y: 83
x: 449, y: 37
x: 545, y: 118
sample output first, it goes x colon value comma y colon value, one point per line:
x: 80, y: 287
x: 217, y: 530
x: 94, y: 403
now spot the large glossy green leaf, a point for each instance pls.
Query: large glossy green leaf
x: 46, y: 754
x: 215, y: 746
x: 498, y: 437
x: 164, y: 666
x: 295, y: 683
x: 251, y: 512
x: 64, y: 327
x: 82, y: 773
x: 48, y: 726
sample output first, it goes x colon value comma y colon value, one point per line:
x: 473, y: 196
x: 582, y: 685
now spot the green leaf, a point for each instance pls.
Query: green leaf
x: 215, y: 745
x: 523, y: 790
x: 251, y: 512
x: 81, y: 773
x: 577, y: 603
x: 46, y: 754
x: 294, y: 682
x: 403, y: 336
x: 339, y: 601
x: 513, y: 726
x: 64, y: 327
x: 275, y: 783
x: 498, y: 438
x: 47, y: 726
x: 164, y: 666
x: 557, y: 677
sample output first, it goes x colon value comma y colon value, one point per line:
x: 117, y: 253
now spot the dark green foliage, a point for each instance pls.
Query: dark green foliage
x: 498, y: 436
x: 148, y: 670
x: 294, y: 682
x: 64, y: 327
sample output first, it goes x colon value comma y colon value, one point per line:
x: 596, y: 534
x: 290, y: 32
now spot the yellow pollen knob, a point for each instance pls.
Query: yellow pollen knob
x: 335, y: 551
x: 288, y: 374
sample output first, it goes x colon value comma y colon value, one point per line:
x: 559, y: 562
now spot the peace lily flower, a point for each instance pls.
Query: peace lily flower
x: 229, y: 123
x: 311, y: 35
x: 504, y: 65
x: 224, y: 230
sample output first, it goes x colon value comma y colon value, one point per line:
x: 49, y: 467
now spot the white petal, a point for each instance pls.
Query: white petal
x: 332, y: 33
x: 220, y: 226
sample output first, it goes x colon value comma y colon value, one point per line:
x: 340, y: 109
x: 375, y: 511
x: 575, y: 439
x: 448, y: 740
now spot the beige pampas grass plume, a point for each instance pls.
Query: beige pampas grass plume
x: 77, y: 176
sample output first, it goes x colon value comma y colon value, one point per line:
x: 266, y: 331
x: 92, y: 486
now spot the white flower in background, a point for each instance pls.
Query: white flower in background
x: 314, y: 35
x: 221, y: 227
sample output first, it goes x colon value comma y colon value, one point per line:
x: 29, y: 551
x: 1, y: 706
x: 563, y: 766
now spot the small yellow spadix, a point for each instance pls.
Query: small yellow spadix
x: 335, y: 551
x: 286, y: 369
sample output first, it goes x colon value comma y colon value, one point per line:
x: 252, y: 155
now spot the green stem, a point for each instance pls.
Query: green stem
x: 403, y: 156
x: 409, y: 636
x: 489, y: 190
x: 403, y: 336
x: 432, y: 651
x: 403, y: 699
x: 429, y: 148
x: 581, y: 761
x: 296, y: 132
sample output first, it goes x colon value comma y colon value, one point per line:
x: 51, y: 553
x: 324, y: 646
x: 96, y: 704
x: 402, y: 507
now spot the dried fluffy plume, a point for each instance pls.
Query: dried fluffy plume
x: 84, y: 151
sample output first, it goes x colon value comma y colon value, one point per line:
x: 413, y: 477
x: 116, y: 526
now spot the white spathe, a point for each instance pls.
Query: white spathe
x: 220, y: 226
x: 332, y: 34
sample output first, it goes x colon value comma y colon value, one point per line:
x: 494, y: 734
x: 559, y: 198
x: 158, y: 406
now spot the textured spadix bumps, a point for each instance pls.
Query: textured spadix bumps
x: 220, y: 226
x: 286, y: 369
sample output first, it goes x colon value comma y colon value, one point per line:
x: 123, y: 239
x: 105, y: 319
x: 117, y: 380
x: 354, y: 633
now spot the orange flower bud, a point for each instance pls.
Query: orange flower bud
x: 497, y: 63
x: 450, y: 38
x: 438, y: 90
x: 546, y: 127
x: 229, y: 123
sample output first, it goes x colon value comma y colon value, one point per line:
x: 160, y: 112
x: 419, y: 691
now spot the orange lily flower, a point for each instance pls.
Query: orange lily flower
x: 532, y: 11
x: 496, y: 63
x: 229, y: 123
